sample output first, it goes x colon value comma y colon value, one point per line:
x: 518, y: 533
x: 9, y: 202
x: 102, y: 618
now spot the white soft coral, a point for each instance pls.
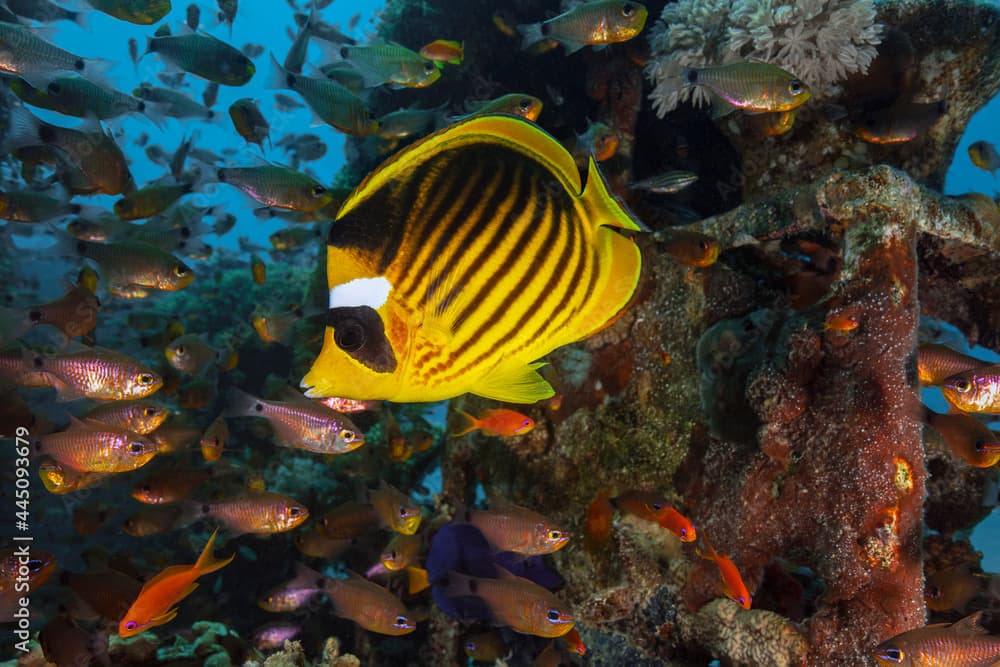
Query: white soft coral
x: 820, y: 41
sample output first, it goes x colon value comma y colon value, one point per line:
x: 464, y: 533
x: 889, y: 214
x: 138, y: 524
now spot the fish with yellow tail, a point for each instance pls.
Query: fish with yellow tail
x: 751, y: 87
x: 964, y: 644
x: 464, y: 259
x: 155, y: 604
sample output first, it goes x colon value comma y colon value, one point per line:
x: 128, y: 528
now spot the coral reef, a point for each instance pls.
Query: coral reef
x: 821, y: 41
x: 830, y: 482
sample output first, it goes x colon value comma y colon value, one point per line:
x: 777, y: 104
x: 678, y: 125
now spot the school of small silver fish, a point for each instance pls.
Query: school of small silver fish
x: 479, y: 245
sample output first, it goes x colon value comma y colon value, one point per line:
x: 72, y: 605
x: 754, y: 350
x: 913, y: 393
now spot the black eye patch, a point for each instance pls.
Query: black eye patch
x: 358, y: 331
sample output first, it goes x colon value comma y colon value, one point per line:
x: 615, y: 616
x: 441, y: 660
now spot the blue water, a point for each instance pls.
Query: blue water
x: 107, y: 38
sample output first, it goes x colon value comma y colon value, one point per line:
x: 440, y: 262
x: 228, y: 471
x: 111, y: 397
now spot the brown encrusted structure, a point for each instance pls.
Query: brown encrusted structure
x: 830, y: 475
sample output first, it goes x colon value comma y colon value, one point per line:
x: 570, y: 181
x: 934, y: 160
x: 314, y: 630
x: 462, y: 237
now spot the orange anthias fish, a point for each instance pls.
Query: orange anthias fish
x: 963, y: 643
x: 574, y: 643
x: 653, y: 507
x: 841, y: 322
x: 155, y: 604
x: 498, y: 422
x: 732, y: 583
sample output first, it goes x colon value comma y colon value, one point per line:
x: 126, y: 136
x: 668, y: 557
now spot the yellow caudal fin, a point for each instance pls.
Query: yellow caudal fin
x: 416, y: 578
x: 207, y: 562
x: 471, y: 424
x: 514, y: 384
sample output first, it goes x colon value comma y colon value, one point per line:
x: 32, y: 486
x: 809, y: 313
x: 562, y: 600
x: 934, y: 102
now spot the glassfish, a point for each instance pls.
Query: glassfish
x: 300, y: 423
x: 595, y: 22
x: 141, y: 417
x: 497, y: 422
x: 294, y: 593
x: 254, y: 511
x: 155, y: 604
x: 369, y: 605
x: 96, y: 373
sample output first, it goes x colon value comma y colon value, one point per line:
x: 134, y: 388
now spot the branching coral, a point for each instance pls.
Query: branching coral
x: 820, y: 41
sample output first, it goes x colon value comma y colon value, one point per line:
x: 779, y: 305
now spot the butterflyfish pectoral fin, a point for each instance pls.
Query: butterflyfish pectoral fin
x: 515, y: 384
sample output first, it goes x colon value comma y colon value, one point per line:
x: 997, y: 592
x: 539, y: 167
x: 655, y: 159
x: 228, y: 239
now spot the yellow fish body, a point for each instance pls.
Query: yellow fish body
x: 464, y: 259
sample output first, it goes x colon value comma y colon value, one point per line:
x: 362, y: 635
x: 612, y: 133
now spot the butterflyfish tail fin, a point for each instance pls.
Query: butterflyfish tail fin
x: 515, y: 384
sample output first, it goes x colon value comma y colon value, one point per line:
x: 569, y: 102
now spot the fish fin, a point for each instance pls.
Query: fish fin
x: 207, y: 562
x: 306, y: 576
x: 22, y: 129
x: 417, y: 579
x: 531, y: 34
x: 292, y: 395
x: 241, y: 404
x: 166, y: 616
x: 471, y: 424
x: 604, y: 209
x: 511, y: 132
x: 277, y: 78
x: 64, y: 392
x: 503, y: 573
x: 970, y: 625
x: 171, y: 571
x: 572, y: 45
x: 515, y: 384
x: 720, y: 107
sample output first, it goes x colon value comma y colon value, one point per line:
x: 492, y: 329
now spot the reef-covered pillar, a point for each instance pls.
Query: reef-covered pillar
x: 773, y: 397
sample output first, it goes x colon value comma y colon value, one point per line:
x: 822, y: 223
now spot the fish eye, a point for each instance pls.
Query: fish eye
x: 795, y: 87
x: 628, y: 9
x: 429, y: 68
x: 150, y: 412
x: 294, y: 511
x: 553, y: 615
x: 961, y: 385
x: 894, y: 654
x: 657, y: 506
x: 470, y: 646
x: 145, y: 379
x: 146, y: 488
x: 131, y: 625
x: 181, y: 270
x: 55, y: 88
x: 524, y: 105
x: 933, y: 592
x: 555, y: 534
x: 684, y: 532
x: 348, y: 435
x: 741, y: 600
x: 980, y: 446
x: 317, y: 191
x: 402, y: 622
x: 180, y: 350
x: 350, y: 335
x: 135, y: 447
x: 404, y: 512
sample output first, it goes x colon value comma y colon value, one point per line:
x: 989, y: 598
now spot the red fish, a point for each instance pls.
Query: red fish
x: 497, y: 422
x: 155, y: 604
x: 653, y: 507
x: 732, y: 583
x: 597, y: 524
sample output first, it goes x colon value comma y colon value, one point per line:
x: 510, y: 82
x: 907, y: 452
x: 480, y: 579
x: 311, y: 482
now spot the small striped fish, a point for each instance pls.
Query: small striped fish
x: 100, y: 374
x: 95, y: 447
x: 961, y: 644
x: 258, y: 512
x: 464, y: 259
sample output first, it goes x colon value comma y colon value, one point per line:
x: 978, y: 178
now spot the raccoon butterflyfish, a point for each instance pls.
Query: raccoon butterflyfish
x: 464, y: 259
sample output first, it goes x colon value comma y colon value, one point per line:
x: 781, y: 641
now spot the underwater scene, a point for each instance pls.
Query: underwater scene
x: 499, y: 332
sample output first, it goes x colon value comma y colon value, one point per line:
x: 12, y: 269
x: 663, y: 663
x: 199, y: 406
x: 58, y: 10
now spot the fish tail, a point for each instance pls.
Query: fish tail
x: 531, y: 34
x: 207, y: 562
x: 241, y: 404
x: 471, y: 423
x: 23, y: 129
x: 279, y: 78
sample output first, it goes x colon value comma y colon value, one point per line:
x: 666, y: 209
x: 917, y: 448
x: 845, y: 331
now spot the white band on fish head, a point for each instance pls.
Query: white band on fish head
x: 371, y: 292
